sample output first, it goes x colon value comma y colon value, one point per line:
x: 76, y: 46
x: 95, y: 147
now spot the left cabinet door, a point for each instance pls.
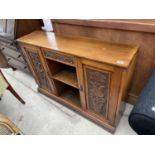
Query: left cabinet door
x: 36, y: 65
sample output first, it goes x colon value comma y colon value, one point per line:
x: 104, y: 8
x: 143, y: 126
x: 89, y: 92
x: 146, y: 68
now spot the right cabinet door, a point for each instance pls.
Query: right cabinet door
x: 97, y: 87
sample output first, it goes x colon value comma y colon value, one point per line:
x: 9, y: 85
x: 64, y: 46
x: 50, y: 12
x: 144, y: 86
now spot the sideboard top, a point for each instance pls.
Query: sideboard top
x: 96, y: 50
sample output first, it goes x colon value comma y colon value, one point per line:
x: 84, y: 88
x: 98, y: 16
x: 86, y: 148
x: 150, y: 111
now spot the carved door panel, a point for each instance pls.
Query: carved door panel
x: 97, y: 90
x: 36, y: 66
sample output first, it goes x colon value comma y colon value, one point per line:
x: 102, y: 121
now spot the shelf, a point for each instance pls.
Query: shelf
x: 71, y: 95
x: 65, y: 80
x: 67, y: 76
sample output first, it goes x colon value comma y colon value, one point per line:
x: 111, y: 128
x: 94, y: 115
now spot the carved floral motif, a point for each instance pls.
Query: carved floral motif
x: 59, y: 57
x: 39, y: 69
x: 98, y: 85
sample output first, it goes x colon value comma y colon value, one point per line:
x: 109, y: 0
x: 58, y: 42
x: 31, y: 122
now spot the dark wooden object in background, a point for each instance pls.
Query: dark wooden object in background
x: 139, y: 32
x: 11, y: 89
x: 10, y: 30
x: 88, y: 75
x: 3, y: 60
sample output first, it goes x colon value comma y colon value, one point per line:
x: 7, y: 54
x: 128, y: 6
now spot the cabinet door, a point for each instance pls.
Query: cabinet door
x: 97, y: 90
x: 36, y: 66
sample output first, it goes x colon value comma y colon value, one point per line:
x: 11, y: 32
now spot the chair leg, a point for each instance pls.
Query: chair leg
x: 15, y: 94
x: 1, y: 97
x: 14, y: 69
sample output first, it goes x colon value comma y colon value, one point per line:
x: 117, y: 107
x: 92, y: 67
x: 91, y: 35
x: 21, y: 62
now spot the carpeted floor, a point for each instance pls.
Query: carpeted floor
x: 42, y: 115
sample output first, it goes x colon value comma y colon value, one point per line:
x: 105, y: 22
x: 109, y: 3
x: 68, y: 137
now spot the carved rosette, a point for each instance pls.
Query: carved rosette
x: 98, y: 88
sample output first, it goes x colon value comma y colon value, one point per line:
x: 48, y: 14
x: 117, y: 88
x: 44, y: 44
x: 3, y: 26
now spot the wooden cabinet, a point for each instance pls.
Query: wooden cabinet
x: 90, y: 76
x: 10, y: 30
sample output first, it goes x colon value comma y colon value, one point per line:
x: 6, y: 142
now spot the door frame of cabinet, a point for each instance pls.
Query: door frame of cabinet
x: 37, y: 50
x: 85, y: 69
x: 115, y: 87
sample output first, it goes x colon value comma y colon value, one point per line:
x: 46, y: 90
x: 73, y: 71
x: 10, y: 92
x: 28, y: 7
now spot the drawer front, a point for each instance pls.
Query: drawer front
x: 97, y: 90
x: 67, y: 59
x: 13, y: 54
x: 17, y: 64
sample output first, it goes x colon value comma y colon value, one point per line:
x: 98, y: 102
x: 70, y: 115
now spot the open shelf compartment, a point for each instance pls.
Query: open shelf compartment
x: 71, y: 95
x: 63, y: 73
x: 67, y: 76
x: 65, y: 81
x: 68, y: 93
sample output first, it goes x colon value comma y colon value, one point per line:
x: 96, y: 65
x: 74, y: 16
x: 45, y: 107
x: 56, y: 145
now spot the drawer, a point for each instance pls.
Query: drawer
x: 13, y: 54
x: 60, y: 57
x: 16, y: 64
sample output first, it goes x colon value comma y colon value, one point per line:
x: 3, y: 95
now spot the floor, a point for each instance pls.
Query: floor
x: 43, y: 116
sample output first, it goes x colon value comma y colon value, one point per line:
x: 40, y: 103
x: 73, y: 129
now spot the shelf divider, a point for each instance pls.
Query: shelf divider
x: 68, y: 77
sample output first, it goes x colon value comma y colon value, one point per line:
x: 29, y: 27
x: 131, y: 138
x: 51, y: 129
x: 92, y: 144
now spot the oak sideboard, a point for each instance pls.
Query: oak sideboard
x: 88, y: 75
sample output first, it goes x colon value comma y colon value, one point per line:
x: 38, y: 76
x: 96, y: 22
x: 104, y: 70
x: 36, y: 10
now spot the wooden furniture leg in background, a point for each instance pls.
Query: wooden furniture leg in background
x: 15, y: 94
x: 3, y: 60
x: 10, y: 88
x: 1, y: 97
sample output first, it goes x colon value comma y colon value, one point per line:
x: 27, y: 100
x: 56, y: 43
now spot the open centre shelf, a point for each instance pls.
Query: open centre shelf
x: 66, y: 82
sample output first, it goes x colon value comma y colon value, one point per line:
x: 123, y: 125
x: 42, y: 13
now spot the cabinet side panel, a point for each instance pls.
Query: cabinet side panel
x: 115, y: 94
